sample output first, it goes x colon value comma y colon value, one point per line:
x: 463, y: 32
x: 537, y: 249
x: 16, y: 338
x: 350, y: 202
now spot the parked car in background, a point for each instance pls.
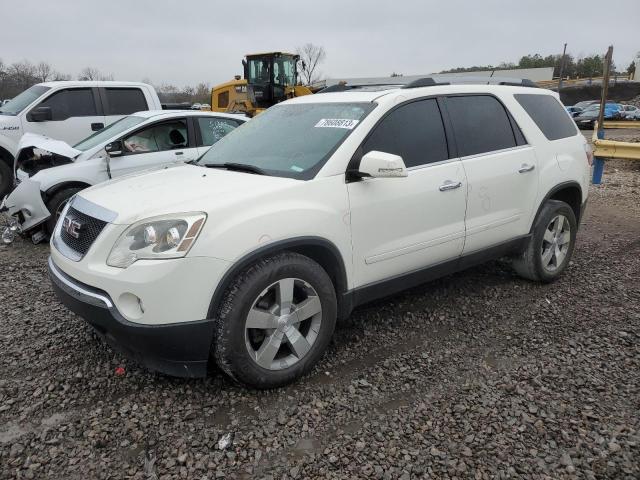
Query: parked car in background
x: 196, y: 106
x: 4, y: 102
x: 205, y: 106
x: 573, y: 111
x: 49, y: 172
x: 586, y: 103
x: 66, y: 111
x: 630, y: 111
x: 315, y: 206
x: 588, y: 117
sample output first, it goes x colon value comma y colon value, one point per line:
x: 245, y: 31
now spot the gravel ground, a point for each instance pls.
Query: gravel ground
x: 478, y: 375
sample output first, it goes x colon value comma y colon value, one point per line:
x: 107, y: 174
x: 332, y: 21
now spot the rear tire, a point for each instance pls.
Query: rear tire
x: 56, y: 204
x: 6, y: 178
x: 275, y: 321
x: 551, y: 245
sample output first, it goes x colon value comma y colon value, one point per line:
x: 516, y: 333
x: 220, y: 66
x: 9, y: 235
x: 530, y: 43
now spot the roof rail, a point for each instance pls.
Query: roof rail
x: 469, y: 80
x: 371, y: 87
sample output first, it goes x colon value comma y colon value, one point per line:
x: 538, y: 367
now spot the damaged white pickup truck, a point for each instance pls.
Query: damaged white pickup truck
x: 49, y: 172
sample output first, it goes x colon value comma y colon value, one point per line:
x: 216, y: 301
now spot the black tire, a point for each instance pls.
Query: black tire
x: 6, y: 178
x: 56, y: 204
x: 530, y: 263
x: 229, y: 348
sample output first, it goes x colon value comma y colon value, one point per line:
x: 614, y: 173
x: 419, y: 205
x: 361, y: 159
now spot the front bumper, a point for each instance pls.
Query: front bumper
x: 178, y: 349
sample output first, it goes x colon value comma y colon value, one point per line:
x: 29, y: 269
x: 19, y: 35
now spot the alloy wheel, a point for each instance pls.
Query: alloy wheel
x: 283, y: 324
x: 555, y: 243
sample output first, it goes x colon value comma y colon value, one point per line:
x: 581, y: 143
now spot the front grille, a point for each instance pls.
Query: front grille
x: 88, y: 231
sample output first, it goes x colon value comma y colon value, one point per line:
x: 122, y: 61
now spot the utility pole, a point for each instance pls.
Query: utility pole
x: 598, y: 167
x: 561, y: 68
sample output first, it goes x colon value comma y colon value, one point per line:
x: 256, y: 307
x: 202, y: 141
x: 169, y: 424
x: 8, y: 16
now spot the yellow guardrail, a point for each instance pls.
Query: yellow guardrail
x: 615, y: 149
x: 621, y: 124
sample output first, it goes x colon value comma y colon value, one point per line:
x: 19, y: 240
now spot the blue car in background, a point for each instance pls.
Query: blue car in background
x: 588, y: 117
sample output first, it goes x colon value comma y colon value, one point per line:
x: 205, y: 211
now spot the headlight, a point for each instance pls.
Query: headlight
x: 166, y: 236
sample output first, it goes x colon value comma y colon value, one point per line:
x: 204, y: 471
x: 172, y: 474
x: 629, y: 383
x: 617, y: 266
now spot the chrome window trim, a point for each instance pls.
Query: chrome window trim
x: 468, y: 157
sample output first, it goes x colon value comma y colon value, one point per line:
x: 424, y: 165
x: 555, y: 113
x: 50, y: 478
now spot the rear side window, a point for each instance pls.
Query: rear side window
x: 77, y: 102
x: 124, y: 101
x: 548, y: 114
x: 481, y: 124
x: 213, y: 129
x: 414, y: 131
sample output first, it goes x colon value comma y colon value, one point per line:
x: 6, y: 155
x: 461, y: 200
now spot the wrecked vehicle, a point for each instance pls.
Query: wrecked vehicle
x: 49, y: 172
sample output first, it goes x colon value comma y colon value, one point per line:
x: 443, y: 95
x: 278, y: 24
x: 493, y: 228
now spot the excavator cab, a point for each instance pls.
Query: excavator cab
x: 270, y: 77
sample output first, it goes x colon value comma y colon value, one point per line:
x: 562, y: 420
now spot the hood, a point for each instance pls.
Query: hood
x: 180, y: 188
x: 58, y: 147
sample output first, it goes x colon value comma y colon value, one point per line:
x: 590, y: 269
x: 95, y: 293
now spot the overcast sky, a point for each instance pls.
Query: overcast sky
x: 189, y: 41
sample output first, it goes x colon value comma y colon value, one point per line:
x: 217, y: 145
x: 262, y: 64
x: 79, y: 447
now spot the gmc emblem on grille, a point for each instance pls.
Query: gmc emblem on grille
x: 72, y: 227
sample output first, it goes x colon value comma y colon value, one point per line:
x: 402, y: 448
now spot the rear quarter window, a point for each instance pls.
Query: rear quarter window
x: 548, y: 114
x: 124, y: 101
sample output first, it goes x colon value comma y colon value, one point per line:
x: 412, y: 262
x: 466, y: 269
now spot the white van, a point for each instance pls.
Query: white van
x: 67, y: 111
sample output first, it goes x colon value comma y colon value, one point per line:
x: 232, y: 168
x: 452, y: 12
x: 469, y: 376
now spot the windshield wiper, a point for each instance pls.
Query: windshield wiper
x: 238, y: 167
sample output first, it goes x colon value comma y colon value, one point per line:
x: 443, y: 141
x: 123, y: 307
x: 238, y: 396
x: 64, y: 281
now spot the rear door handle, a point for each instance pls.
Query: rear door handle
x: 97, y: 126
x: 179, y: 153
x: 449, y: 185
x: 526, y: 168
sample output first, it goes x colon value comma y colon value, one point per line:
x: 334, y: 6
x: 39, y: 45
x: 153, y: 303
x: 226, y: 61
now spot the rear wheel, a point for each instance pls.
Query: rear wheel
x: 275, y: 321
x: 550, y: 247
x: 56, y: 205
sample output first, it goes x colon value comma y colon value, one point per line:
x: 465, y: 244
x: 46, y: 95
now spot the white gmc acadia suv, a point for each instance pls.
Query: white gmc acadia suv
x: 320, y: 204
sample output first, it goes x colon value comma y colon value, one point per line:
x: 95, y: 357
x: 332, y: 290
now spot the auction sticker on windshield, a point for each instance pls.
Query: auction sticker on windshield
x: 347, y: 123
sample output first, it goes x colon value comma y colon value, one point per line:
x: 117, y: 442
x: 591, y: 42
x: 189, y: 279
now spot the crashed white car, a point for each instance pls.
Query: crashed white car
x: 48, y: 172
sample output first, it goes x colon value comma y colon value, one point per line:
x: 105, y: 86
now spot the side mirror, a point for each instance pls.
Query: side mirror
x: 381, y: 165
x: 114, y: 149
x: 40, y: 114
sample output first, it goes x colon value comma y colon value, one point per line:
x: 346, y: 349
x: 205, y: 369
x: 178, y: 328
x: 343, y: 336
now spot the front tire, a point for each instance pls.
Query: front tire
x: 551, y: 246
x: 275, y: 321
x: 6, y: 178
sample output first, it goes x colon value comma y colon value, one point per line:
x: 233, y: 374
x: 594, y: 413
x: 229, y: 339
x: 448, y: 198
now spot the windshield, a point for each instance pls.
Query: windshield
x: 289, y: 140
x: 109, y: 132
x: 20, y: 102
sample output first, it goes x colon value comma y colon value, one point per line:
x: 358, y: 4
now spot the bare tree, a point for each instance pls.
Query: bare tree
x: 310, y: 57
x: 58, y: 76
x: 44, y: 72
x: 23, y: 74
x: 90, y: 73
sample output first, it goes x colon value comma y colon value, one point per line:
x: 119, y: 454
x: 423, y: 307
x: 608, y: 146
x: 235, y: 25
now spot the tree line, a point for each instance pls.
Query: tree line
x: 18, y: 76
x: 582, y: 67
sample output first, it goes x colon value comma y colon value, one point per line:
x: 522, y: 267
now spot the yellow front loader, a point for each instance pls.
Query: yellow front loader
x: 269, y: 78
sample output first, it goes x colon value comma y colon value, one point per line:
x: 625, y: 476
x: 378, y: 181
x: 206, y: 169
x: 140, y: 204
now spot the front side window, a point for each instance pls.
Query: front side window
x: 113, y: 130
x: 414, y: 131
x: 481, y: 124
x: 289, y: 140
x: 124, y: 101
x: 77, y: 102
x: 213, y: 129
x: 548, y: 115
x: 158, y: 137
x: 23, y: 100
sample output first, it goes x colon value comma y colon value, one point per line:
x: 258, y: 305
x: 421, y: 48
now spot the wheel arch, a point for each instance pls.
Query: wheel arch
x: 568, y: 192
x: 51, y: 191
x: 319, y: 249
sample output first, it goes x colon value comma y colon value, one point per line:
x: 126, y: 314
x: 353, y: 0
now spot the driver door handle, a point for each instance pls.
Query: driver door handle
x: 449, y: 185
x: 179, y: 153
x: 526, y: 168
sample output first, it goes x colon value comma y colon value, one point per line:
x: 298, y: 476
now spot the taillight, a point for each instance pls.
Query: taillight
x: 589, y: 151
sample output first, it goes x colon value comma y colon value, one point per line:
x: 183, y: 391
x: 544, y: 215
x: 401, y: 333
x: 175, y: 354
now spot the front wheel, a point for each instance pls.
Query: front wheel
x: 56, y: 205
x: 551, y: 245
x: 275, y: 321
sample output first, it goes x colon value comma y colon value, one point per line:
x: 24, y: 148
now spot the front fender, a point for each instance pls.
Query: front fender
x: 27, y: 199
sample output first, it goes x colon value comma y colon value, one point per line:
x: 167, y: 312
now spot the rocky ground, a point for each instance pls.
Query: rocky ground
x: 478, y: 375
